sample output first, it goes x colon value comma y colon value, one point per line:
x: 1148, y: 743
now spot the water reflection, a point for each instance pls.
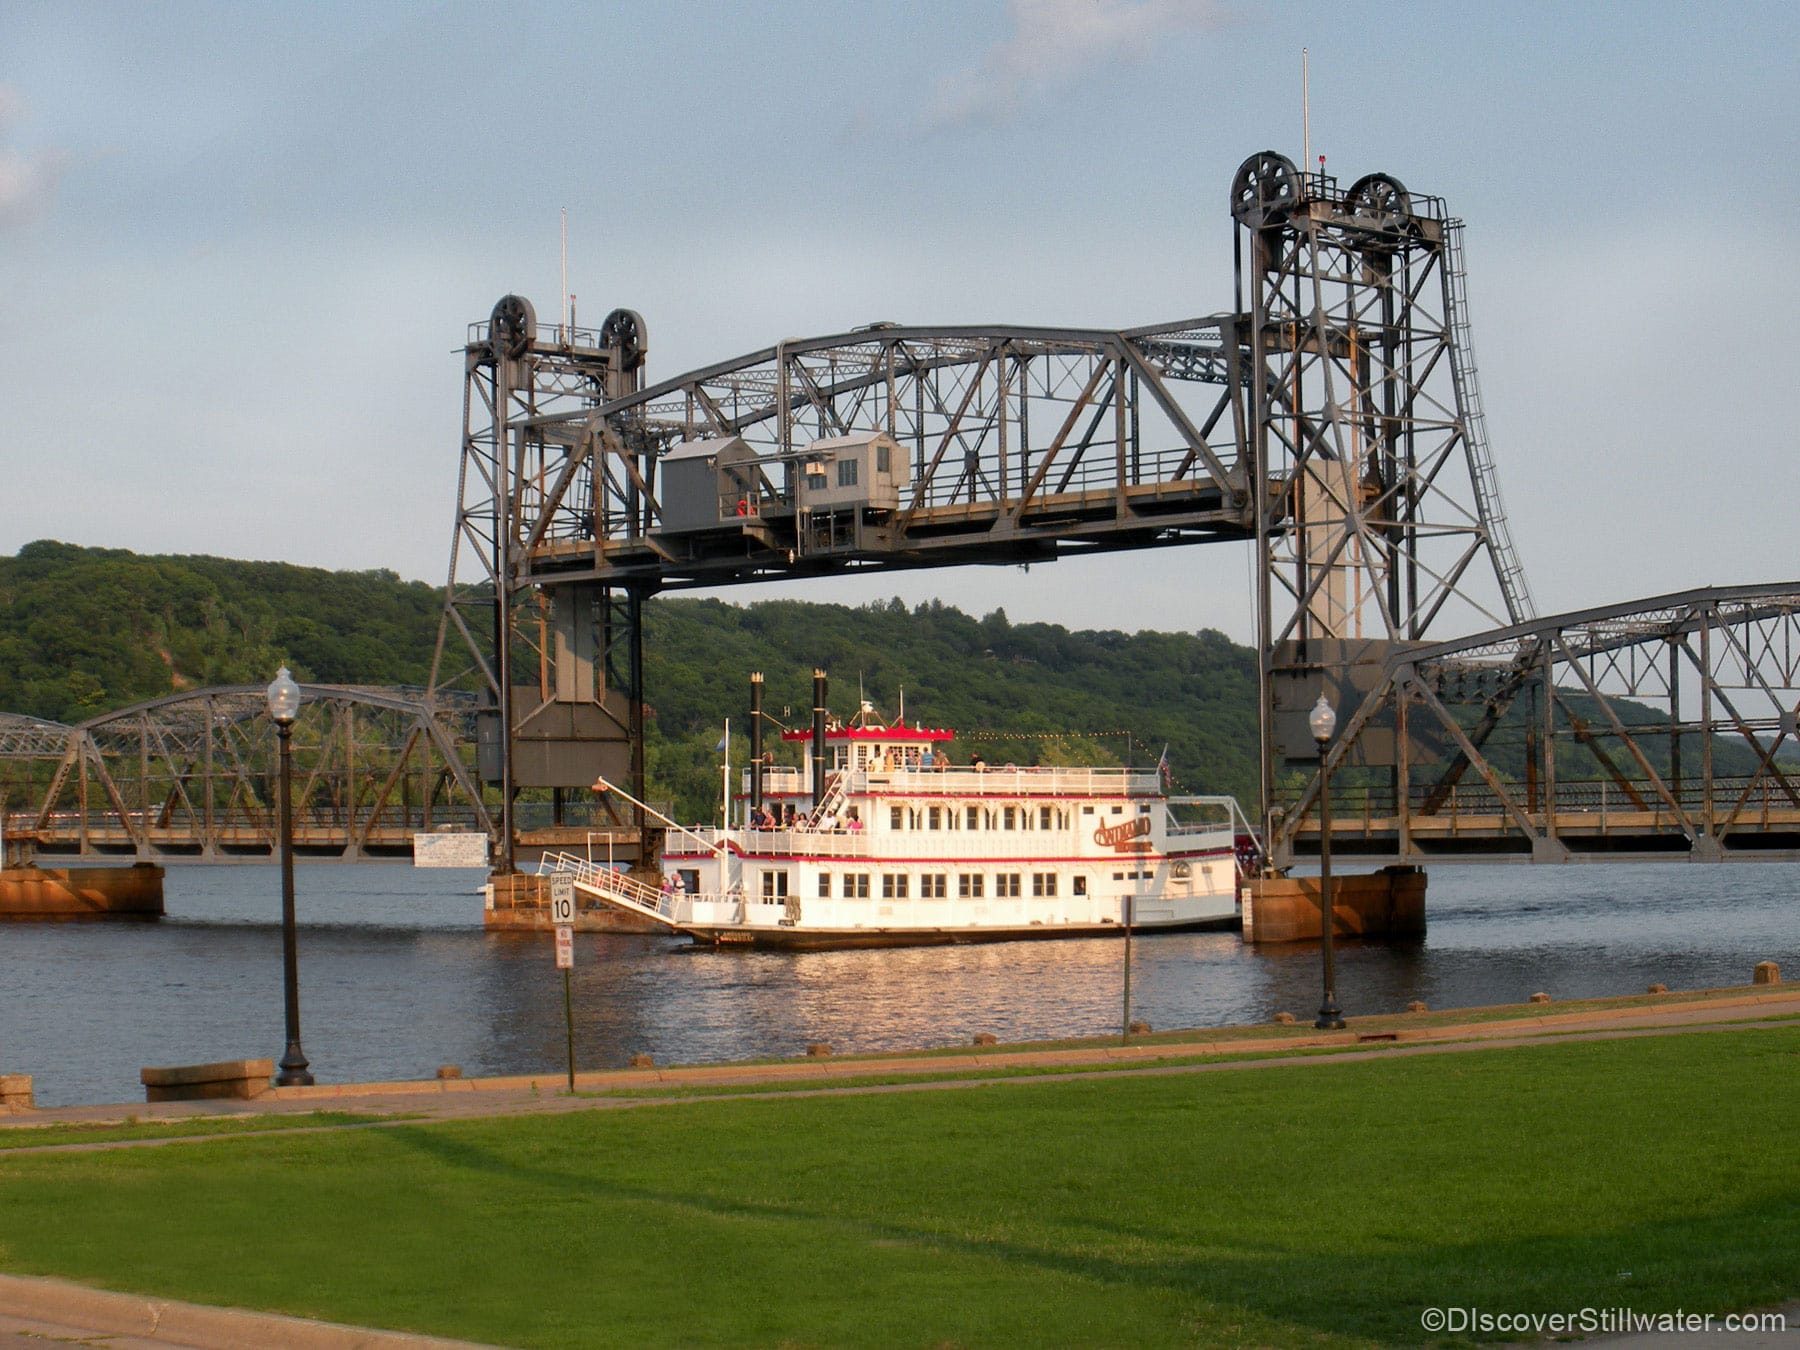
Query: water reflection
x: 397, y: 976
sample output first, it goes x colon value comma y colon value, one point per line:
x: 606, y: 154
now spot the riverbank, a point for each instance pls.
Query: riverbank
x: 1272, y: 1189
x: 463, y: 1098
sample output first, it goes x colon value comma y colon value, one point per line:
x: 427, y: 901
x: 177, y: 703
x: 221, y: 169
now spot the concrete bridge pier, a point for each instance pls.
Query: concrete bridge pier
x: 1388, y: 904
x: 51, y: 893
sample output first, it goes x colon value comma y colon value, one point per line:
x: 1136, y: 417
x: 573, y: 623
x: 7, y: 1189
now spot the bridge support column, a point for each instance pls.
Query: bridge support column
x: 1389, y: 904
x: 134, y: 892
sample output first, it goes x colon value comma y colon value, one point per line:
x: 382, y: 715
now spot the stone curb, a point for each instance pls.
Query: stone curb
x: 999, y: 1058
x: 194, y: 1325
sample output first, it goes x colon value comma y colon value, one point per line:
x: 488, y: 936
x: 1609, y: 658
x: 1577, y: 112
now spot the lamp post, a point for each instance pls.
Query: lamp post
x: 1323, y: 721
x: 284, y: 706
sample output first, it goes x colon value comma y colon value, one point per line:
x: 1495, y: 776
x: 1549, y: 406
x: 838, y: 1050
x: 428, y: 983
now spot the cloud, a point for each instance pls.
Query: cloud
x: 1055, y: 42
x: 28, y: 178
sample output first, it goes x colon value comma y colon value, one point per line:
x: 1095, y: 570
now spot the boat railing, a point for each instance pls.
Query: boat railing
x: 1190, y: 815
x: 964, y: 780
x: 1011, y: 780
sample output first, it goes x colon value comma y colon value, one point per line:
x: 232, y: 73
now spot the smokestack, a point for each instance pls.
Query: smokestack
x: 818, y: 742
x: 756, y: 748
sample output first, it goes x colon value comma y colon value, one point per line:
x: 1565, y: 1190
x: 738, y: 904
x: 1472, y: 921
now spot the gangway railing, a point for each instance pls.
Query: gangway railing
x: 620, y: 888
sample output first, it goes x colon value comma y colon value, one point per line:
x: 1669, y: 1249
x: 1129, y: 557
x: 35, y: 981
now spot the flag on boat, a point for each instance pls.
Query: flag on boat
x: 721, y: 745
x: 1162, y: 765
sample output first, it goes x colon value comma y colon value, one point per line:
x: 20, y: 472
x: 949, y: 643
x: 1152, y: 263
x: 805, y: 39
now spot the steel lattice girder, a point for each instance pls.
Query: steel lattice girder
x: 1613, y: 693
x: 191, y: 773
x: 1021, y: 441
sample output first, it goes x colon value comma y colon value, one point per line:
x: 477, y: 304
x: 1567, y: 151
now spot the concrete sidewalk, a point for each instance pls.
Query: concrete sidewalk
x: 34, y: 1311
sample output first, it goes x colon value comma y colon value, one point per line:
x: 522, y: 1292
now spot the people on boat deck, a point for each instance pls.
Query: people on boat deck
x: 977, y: 763
x: 852, y: 821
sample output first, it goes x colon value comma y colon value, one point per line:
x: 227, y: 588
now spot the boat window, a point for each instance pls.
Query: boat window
x: 934, y: 886
x: 824, y: 885
x: 1118, y: 810
x: 1006, y: 885
x: 690, y: 879
x: 896, y: 819
x: 1010, y: 816
x: 774, y: 885
x: 856, y: 885
x: 973, y: 815
x: 937, y: 817
x: 1087, y: 810
x: 1143, y: 810
x: 968, y: 885
x: 1043, y: 884
x: 1043, y: 817
x: 1080, y: 885
x: 893, y: 885
x: 1120, y: 876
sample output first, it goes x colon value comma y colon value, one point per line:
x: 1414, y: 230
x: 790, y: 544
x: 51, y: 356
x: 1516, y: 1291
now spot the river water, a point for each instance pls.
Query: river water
x: 397, y: 976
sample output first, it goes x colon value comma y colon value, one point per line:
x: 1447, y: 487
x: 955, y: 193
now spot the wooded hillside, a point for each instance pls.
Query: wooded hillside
x: 84, y: 631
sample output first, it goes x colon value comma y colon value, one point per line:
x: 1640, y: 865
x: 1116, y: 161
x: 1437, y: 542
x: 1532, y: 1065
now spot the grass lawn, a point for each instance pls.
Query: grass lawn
x: 1318, y: 1204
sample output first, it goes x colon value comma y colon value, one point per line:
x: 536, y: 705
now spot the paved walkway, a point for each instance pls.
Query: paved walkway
x: 33, y: 1311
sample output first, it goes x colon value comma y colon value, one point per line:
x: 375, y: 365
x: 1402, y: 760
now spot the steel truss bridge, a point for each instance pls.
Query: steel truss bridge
x: 1656, y: 730
x: 1331, y: 421
x: 193, y: 776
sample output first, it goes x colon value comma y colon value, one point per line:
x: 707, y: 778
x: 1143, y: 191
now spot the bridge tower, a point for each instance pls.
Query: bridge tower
x: 1378, y: 518
x: 561, y: 663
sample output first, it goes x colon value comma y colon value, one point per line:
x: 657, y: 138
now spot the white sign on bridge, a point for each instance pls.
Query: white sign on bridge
x: 452, y: 848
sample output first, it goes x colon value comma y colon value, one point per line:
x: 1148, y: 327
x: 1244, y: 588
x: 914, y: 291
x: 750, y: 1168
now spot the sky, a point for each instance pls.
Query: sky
x: 240, y: 244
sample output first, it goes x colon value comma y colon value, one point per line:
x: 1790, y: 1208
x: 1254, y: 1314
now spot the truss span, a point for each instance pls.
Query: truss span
x: 1659, y: 728
x: 1014, y: 442
x: 192, y: 775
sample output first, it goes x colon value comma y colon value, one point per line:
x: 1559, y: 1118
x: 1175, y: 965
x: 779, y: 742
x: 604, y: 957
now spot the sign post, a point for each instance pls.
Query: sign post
x: 562, y: 914
x: 1129, y: 905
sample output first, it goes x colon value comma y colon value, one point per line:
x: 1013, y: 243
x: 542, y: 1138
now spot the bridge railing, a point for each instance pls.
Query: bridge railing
x: 1750, y: 800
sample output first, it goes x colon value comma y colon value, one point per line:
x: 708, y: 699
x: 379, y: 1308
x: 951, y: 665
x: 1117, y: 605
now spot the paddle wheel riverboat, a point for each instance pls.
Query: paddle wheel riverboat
x: 898, y: 846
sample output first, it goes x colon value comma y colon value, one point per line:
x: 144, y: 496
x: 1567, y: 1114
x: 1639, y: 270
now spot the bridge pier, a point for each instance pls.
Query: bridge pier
x: 53, y: 893
x: 520, y: 901
x: 1389, y: 903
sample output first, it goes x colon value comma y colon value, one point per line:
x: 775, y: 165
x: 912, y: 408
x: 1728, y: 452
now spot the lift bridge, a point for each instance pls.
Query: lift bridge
x: 1331, y: 421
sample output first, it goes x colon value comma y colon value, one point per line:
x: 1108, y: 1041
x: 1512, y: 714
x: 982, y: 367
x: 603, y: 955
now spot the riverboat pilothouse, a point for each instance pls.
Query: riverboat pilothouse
x: 900, y: 847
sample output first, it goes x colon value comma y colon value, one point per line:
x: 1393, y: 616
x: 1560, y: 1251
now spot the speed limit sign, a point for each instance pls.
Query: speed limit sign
x: 562, y: 901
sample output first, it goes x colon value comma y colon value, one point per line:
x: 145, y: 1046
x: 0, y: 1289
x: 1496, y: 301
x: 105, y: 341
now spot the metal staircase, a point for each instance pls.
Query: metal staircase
x: 837, y: 788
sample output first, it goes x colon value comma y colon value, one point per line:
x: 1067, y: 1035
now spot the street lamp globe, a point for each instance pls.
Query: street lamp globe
x: 1322, y: 719
x: 284, y: 698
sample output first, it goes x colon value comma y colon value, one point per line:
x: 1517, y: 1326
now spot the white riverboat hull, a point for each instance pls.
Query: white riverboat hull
x: 827, y: 939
